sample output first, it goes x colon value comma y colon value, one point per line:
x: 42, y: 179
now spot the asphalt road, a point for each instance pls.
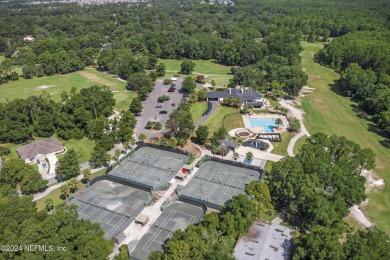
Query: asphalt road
x: 150, y: 113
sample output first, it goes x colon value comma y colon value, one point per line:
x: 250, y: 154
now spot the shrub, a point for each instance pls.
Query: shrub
x: 167, y: 81
x: 163, y: 98
x: 157, y: 126
x: 149, y: 125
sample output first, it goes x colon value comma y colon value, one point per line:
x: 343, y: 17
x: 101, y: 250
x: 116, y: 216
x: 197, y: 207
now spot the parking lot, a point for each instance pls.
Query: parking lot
x: 151, y: 113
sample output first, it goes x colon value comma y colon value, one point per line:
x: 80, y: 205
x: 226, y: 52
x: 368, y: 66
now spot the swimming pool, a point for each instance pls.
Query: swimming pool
x: 267, y: 124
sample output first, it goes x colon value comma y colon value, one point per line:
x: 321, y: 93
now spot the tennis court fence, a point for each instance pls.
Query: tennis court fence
x: 219, y: 182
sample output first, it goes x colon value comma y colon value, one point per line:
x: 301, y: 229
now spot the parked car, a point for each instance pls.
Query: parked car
x: 158, y: 106
x: 123, y: 152
x: 44, y: 165
x: 163, y: 112
x: 173, y: 104
x: 171, y: 90
x: 38, y: 161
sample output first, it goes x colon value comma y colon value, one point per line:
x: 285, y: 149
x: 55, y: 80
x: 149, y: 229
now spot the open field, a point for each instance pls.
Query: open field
x: 197, y: 110
x: 301, y: 141
x: 233, y: 121
x: 215, y: 121
x: 202, y: 66
x: 55, y: 195
x: 331, y: 113
x: 222, y: 80
x: 55, y: 84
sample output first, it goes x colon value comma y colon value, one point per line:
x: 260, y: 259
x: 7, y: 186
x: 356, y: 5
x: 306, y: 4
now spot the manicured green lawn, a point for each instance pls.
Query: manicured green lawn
x: 281, y: 148
x: 56, y: 194
x: 331, y: 113
x: 83, y: 147
x: 215, y: 121
x: 220, y: 80
x: 233, y: 121
x: 55, y: 84
x: 197, y: 110
x: 202, y: 66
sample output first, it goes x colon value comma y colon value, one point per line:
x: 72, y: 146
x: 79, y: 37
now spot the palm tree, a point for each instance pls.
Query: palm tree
x: 251, y: 107
x: 276, y: 108
x: 117, y: 153
x: 141, y: 137
x: 249, y: 156
x: 86, y: 175
x: 107, y: 158
x: 49, y: 204
x: 223, y: 151
x: 65, y: 191
x: 278, y: 122
x: 72, y: 184
x: 284, y: 110
x: 235, y: 156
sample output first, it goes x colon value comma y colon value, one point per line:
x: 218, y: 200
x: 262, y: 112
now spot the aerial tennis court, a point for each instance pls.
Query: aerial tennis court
x: 150, y: 167
x: 179, y: 215
x: 112, y: 205
x: 216, y: 183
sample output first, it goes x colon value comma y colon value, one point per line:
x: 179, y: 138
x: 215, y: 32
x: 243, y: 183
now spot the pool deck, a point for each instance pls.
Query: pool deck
x: 259, y: 129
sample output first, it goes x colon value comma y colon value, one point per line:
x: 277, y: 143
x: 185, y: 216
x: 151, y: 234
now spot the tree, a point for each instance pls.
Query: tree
x: 188, y: 85
x: 142, y: 137
x: 180, y: 123
x: 223, y: 151
x: 187, y: 66
x: 86, y: 174
x: 213, y: 150
x: 295, y: 125
x: 202, y: 95
x: 32, y: 181
x: 123, y: 253
x: 49, y: 204
x: 236, y: 156
x: 117, y: 153
x: 202, y: 134
x: 157, y: 126
x: 260, y: 195
x: 138, y: 81
x: 249, y: 156
x: 320, y: 243
x: 370, y: 243
x: 136, y: 106
x: 126, y: 125
x: 163, y: 98
x: 160, y: 69
x: 72, y: 184
x: 65, y: 191
x: 98, y: 156
x: 68, y: 166
x: 278, y: 121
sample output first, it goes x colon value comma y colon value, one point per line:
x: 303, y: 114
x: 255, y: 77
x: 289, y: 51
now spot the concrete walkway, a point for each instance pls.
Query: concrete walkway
x: 298, y: 115
x: 51, y: 188
x: 205, y: 117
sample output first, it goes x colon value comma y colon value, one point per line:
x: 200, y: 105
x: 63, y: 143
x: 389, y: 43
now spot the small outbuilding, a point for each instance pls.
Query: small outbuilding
x: 181, y: 176
x: 119, y: 237
x: 142, y: 219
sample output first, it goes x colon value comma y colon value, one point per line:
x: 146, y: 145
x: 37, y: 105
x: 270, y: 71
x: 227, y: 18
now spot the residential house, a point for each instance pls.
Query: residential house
x: 32, y: 151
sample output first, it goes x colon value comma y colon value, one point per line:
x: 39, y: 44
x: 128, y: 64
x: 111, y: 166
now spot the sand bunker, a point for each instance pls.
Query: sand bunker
x: 45, y: 87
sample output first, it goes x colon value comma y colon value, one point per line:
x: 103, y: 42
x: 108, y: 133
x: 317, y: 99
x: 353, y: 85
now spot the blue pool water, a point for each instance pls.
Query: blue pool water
x: 267, y: 124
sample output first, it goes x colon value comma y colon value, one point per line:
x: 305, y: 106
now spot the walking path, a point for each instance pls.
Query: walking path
x: 298, y: 115
x: 205, y: 117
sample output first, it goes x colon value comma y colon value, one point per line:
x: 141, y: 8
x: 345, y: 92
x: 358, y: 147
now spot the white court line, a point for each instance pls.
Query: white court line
x: 152, y: 238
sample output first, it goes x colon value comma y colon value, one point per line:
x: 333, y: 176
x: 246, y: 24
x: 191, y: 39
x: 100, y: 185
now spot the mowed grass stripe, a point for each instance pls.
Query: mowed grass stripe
x: 329, y: 112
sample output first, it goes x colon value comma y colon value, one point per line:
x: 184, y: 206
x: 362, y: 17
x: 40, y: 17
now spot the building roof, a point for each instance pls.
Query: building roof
x: 181, y: 175
x: 236, y: 93
x: 41, y: 147
x: 119, y: 237
x: 228, y: 143
x: 187, y: 167
x: 142, y: 218
x: 264, y: 241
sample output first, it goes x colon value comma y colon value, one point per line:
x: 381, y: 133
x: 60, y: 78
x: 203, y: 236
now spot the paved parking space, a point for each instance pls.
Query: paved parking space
x: 150, y: 113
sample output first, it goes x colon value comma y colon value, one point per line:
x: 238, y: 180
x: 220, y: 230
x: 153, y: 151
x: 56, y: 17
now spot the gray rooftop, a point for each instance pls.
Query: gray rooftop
x: 41, y: 147
x: 236, y: 93
x: 264, y: 241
